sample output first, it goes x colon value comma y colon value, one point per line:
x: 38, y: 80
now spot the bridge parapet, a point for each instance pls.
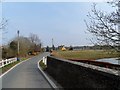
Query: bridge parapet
x: 70, y: 74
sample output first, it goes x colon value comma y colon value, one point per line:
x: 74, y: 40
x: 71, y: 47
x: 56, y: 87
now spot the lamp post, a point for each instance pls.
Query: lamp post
x: 18, y: 46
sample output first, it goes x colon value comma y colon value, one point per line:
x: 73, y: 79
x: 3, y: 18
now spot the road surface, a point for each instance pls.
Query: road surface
x: 26, y: 75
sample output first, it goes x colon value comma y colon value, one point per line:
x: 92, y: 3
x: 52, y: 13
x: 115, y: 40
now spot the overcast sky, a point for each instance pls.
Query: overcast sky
x: 62, y: 21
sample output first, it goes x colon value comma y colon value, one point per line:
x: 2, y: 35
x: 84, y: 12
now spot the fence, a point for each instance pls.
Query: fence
x: 7, y: 61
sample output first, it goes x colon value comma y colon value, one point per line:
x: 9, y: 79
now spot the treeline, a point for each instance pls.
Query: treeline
x: 94, y: 47
x: 31, y: 45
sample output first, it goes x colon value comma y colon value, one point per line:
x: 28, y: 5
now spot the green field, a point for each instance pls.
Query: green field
x: 86, y: 54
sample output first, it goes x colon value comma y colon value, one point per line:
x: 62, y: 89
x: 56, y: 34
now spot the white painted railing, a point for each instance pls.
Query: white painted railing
x: 45, y: 60
x: 7, y: 61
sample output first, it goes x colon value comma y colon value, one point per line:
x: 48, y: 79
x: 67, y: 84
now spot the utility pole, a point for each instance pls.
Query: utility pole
x: 53, y: 44
x: 52, y: 41
x: 18, y: 32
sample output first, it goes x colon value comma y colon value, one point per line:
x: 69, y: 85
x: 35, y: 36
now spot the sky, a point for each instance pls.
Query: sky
x: 62, y: 21
x: 55, y: 0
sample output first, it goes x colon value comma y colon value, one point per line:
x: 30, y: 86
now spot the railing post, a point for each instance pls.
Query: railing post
x: 11, y: 61
x: 15, y: 59
x: 6, y: 61
x: 2, y: 63
x: 45, y: 60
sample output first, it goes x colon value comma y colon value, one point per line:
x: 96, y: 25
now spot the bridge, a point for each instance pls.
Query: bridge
x: 69, y: 74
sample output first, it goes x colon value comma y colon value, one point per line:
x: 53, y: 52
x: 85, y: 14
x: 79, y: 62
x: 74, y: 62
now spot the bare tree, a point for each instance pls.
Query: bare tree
x: 36, y: 42
x: 34, y: 39
x: 105, y: 25
x: 3, y: 25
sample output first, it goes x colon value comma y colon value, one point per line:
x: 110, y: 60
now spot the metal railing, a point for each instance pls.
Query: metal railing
x: 7, y: 61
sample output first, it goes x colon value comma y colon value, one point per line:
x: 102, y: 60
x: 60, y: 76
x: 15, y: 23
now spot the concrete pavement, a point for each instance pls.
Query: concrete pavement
x: 26, y: 75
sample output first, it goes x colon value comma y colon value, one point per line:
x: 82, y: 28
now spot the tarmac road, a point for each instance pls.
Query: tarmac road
x: 26, y: 75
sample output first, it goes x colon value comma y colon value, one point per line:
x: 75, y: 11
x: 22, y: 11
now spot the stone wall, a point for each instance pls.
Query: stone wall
x: 70, y: 74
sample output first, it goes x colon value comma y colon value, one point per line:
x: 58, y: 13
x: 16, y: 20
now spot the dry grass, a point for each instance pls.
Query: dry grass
x: 85, y: 54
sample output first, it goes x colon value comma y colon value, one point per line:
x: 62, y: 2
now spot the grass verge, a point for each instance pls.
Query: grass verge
x: 42, y: 65
x: 7, y: 67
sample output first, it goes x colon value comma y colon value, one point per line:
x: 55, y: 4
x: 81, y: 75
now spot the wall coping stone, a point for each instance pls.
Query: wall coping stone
x: 103, y: 69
